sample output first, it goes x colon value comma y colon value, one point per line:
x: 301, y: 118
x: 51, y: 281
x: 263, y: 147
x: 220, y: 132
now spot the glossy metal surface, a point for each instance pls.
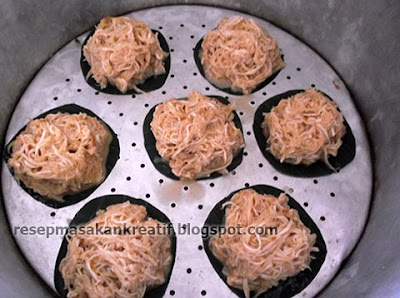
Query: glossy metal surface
x: 360, y: 40
x: 343, y: 216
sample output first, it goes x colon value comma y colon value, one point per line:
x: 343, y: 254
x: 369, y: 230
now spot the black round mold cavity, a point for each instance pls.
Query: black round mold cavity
x: 162, y: 166
x: 292, y: 285
x: 345, y: 154
x: 150, y: 84
x: 197, y: 60
x: 113, y: 156
x: 88, y: 212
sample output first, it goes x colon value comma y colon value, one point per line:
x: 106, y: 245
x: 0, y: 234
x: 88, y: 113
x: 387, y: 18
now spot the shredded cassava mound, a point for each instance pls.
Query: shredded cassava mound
x: 239, y: 54
x: 117, y: 265
x: 61, y: 154
x: 304, y: 128
x: 257, y: 262
x: 123, y: 52
x: 196, y: 136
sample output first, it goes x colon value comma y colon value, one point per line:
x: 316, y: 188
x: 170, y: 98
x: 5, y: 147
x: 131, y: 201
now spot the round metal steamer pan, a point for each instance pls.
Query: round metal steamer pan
x: 341, y: 199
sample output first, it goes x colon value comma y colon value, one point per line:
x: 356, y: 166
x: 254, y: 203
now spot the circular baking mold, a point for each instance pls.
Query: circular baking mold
x: 340, y: 218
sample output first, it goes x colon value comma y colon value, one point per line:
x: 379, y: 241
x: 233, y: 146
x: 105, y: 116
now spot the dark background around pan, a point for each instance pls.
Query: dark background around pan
x: 359, y: 38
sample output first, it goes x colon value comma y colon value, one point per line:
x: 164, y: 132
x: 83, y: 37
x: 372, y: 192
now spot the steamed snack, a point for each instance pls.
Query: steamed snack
x: 196, y: 136
x: 60, y: 154
x: 239, y: 54
x: 304, y: 128
x: 123, y: 52
x: 257, y: 262
x: 117, y: 264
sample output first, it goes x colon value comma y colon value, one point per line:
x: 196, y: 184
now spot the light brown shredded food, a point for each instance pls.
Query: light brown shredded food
x: 239, y: 54
x: 113, y: 265
x: 304, y: 128
x: 123, y: 52
x: 257, y: 262
x: 196, y: 136
x: 61, y: 154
